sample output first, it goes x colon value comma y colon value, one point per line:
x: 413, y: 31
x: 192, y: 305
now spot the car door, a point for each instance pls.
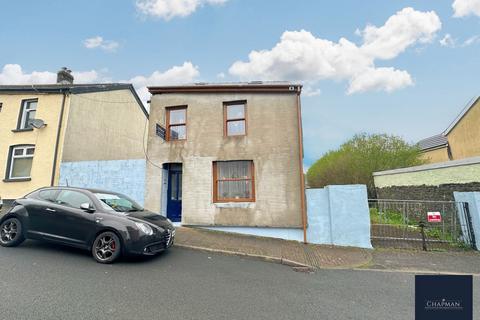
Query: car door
x: 40, y: 209
x: 70, y: 223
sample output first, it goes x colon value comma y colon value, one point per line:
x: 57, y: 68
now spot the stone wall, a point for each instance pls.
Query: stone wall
x: 443, y: 192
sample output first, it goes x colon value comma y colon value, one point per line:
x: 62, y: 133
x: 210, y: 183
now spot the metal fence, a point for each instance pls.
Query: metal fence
x: 406, y: 224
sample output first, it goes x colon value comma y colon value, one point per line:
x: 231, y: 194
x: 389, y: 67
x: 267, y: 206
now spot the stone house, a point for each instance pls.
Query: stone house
x: 227, y: 155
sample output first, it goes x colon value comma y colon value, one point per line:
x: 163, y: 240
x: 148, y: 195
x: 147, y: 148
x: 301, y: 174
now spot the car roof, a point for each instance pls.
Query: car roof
x: 79, y: 189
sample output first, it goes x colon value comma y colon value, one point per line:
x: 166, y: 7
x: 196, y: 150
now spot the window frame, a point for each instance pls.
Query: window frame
x: 168, y: 125
x: 216, y: 180
x: 226, y: 104
x: 23, y: 114
x: 12, y: 157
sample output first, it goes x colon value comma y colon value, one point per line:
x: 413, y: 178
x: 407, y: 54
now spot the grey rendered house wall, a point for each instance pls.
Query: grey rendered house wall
x: 272, y: 142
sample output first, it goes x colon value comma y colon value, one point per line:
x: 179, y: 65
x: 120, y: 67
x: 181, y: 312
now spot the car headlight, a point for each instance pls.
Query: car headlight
x: 145, y: 228
x: 169, y: 221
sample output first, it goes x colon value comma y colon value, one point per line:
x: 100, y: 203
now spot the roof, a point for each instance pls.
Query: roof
x: 465, y: 110
x: 440, y: 140
x: 438, y: 165
x: 433, y: 142
x: 233, y: 87
x: 73, y: 89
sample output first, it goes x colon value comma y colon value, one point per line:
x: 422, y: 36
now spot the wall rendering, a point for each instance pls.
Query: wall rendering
x: 429, y: 182
x: 337, y: 215
x: 271, y: 142
x: 123, y: 176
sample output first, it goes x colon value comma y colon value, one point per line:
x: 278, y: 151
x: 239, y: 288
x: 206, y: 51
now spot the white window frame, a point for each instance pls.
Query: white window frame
x: 26, y: 110
x: 24, y: 155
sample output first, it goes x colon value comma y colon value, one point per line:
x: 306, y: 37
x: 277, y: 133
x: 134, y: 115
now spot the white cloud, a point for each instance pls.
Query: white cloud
x: 471, y: 40
x: 185, y: 73
x: 301, y: 56
x: 384, y: 79
x: 447, y: 41
x: 99, y: 42
x: 12, y: 74
x: 463, y: 8
x: 168, y: 9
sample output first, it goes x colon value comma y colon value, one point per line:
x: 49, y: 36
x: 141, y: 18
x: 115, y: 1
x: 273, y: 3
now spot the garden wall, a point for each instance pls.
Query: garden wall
x: 337, y: 215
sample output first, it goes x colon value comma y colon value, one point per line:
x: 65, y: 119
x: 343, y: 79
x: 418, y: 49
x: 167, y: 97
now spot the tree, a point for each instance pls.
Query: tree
x: 356, y: 160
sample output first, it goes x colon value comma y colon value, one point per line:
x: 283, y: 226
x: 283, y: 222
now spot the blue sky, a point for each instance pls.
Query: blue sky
x: 410, y: 73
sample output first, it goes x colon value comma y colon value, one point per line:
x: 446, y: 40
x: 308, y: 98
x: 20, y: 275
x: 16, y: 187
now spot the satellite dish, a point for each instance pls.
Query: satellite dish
x: 38, y: 123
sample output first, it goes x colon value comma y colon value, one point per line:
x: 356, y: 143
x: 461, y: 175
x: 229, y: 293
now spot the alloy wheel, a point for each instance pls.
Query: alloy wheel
x: 8, y: 231
x: 105, y: 247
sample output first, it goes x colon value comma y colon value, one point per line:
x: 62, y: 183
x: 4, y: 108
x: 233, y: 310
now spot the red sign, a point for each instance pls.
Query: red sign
x: 434, y: 217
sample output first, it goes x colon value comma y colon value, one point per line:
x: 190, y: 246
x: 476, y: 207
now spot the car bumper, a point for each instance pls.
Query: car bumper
x: 151, y: 245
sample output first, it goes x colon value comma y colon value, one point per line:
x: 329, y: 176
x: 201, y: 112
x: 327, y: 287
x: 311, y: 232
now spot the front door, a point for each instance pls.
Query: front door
x: 174, y: 193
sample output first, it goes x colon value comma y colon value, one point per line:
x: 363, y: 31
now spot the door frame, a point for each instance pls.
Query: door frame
x: 168, y: 168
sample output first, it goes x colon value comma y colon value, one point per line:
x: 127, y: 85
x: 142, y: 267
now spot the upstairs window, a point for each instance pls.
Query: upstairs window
x: 27, y: 114
x: 20, y: 162
x: 233, y: 181
x: 176, y: 123
x: 235, y: 118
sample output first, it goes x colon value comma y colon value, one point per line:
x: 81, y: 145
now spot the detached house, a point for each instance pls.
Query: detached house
x: 86, y: 135
x: 226, y: 155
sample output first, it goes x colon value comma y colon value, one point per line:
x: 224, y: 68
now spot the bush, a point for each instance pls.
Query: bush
x: 356, y: 160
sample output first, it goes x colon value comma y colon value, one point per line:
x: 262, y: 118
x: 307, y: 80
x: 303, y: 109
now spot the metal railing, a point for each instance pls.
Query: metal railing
x: 406, y: 224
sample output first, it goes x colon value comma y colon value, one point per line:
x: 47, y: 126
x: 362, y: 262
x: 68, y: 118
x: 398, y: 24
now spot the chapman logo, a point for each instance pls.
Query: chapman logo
x: 443, y: 297
x: 443, y: 304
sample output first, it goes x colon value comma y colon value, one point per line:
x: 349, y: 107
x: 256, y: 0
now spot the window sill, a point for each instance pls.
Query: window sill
x: 245, y: 205
x: 22, y: 130
x: 17, y: 180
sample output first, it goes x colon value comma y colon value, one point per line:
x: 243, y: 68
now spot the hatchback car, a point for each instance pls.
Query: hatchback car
x: 108, y: 224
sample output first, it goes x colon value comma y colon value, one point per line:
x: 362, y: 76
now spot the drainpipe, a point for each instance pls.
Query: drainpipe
x: 300, y: 164
x: 57, y: 143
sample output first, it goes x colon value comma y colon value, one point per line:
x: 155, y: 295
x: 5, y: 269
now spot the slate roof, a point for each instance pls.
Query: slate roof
x: 73, y: 89
x: 436, y: 141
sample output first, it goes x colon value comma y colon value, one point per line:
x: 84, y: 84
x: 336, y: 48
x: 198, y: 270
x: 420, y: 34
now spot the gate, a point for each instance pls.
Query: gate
x: 424, y: 225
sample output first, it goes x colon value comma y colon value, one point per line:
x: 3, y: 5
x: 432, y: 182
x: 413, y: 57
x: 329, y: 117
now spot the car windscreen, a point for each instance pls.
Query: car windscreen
x: 118, y: 202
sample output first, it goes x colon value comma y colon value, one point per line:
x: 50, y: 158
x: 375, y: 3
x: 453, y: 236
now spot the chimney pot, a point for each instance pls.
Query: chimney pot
x: 64, y: 76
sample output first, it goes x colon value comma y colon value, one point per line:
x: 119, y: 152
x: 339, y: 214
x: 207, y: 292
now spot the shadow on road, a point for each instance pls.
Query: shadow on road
x: 51, y: 248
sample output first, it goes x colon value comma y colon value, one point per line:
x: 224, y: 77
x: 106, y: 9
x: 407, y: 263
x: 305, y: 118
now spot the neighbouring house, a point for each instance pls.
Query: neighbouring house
x: 86, y: 135
x: 459, y: 141
x: 227, y: 155
x: 454, y: 163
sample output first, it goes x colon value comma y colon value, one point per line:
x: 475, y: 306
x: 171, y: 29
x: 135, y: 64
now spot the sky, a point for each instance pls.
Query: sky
x: 399, y: 67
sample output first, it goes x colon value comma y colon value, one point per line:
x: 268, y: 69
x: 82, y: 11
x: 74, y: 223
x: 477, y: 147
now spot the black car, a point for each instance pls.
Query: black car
x: 107, y: 223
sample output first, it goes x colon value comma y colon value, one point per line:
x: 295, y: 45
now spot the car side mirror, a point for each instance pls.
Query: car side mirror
x: 87, y: 207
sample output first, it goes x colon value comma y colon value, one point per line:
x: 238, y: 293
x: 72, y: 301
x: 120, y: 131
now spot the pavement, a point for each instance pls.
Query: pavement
x: 291, y: 253
x: 329, y: 257
x: 45, y: 281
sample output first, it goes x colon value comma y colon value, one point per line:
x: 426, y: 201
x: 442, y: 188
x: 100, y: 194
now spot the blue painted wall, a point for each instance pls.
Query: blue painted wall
x: 473, y: 199
x: 337, y: 215
x: 124, y: 176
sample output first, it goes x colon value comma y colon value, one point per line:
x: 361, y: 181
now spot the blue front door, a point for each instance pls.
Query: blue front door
x: 174, y: 193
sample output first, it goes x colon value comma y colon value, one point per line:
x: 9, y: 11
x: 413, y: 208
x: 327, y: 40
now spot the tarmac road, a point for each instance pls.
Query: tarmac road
x: 44, y: 281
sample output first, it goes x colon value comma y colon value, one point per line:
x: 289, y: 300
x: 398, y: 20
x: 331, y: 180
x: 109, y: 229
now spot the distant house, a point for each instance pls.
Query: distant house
x: 87, y: 135
x: 227, y: 155
x: 459, y: 141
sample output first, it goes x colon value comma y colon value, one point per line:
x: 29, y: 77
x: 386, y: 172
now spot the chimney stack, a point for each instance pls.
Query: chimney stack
x: 64, y: 76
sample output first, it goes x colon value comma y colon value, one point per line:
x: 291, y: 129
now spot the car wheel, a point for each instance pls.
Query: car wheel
x: 106, y: 247
x: 11, y: 233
